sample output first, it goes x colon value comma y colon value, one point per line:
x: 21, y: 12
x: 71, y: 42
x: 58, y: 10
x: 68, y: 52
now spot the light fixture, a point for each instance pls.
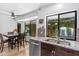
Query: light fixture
x: 12, y: 15
x: 59, y: 5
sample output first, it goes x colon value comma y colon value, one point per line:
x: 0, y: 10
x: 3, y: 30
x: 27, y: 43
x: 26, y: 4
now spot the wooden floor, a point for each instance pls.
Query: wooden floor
x: 22, y: 51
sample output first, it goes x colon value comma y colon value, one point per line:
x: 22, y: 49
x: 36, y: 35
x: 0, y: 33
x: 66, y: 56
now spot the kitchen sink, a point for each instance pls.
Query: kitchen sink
x: 64, y: 43
x: 52, y: 40
x: 58, y: 41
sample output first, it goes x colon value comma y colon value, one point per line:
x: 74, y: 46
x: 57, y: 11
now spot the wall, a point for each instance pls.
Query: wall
x: 54, y: 9
x: 59, y: 8
x: 6, y: 24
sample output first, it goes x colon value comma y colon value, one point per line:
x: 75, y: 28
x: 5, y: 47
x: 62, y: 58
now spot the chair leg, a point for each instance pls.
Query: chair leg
x: 2, y: 47
x: 18, y: 45
x: 23, y: 43
x: 8, y: 45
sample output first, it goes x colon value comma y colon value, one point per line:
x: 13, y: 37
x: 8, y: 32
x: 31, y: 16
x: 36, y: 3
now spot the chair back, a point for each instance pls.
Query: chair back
x: 1, y: 43
x: 10, y: 33
x: 1, y: 38
x: 21, y: 36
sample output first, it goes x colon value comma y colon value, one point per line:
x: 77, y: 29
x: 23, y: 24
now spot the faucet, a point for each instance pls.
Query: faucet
x: 64, y: 40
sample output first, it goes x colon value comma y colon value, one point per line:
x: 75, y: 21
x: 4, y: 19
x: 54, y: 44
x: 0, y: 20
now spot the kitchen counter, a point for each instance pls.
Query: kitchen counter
x: 74, y: 45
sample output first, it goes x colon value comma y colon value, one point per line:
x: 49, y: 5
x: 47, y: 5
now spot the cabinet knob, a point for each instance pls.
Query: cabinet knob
x: 53, y: 52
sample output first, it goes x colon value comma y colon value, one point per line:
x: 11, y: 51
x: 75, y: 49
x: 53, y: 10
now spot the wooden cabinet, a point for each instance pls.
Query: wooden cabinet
x: 76, y: 53
x: 47, y: 50
x: 60, y: 51
x: 53, y: 50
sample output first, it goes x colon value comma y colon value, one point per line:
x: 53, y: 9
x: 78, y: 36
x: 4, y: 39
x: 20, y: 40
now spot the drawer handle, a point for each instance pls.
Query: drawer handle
x: 53, y: 53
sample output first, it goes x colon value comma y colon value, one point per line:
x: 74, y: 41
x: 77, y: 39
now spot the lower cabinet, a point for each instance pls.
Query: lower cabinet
x: 47, y: 50
x: 53, y: 50
x: 59, y: 51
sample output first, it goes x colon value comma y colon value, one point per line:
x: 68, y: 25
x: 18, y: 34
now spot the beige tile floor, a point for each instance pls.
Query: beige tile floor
x: 22, y: 51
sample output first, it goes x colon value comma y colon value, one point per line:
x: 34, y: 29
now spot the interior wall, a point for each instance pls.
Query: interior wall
x: 6, y: 24
x: 54, y: 9
x: 59, y: 8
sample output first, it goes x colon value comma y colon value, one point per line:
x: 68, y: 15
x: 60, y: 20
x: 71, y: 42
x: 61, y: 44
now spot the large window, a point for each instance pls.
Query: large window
x: 30, y: 28
x: 62, y: 25
x: 52, y: 30
x: 67, y: 25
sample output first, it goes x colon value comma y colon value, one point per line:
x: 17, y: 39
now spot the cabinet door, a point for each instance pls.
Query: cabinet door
x: 52, y: 50
x: 47, y: 49
x: 46, y: 52
x: 60, y: 51
x: 76, y: 53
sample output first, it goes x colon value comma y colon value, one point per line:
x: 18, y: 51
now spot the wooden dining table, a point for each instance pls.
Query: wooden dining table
x: 11, y: 39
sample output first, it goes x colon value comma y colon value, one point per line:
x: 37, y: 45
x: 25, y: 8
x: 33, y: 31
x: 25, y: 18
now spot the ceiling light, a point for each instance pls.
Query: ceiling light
x: 59, y: 5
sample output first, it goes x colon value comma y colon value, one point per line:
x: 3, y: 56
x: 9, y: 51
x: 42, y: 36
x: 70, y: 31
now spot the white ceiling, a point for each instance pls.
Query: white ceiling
x: 20, y: 8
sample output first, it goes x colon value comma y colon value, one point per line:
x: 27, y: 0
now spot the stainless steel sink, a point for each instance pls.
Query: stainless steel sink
x: 52, y: 40
x: 59, y: 42
x: 64, y: 43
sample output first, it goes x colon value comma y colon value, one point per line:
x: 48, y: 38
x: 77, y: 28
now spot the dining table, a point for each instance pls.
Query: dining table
x: 11, y: 39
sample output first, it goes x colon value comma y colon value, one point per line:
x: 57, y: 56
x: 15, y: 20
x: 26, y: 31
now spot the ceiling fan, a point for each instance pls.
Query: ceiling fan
x: 13, y: 15
x: 9, y: 13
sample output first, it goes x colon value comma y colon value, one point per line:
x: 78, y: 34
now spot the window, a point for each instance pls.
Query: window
x: 67, y: 22
x: 30, y: 28
x: 62, y: 25
x: 33, y: 28
x: 52, y: 30
x: 27, y: 29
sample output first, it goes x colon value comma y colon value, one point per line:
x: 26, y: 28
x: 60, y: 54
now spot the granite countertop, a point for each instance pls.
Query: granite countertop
x: 74, y: 45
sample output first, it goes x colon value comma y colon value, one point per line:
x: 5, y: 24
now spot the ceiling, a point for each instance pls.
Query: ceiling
x: 20, y: 8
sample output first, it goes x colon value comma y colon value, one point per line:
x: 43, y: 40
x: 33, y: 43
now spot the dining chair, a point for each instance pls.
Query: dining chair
x: 2, y: 42
x: 20, y: 40
x: 10, y: 33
